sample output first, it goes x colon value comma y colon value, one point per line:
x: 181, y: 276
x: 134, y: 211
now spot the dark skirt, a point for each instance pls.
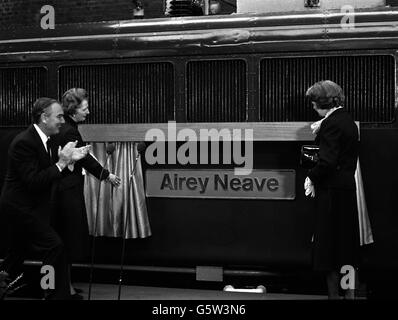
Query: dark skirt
x: 336, y: 237
x: 71, y: 223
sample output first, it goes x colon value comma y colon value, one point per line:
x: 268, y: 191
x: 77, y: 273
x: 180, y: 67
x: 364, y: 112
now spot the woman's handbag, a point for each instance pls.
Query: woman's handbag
x: 309, y: 156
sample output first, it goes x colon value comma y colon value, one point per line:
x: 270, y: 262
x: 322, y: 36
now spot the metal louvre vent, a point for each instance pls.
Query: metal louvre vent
x: 124, y: 93
x: 19, y: 89
x: 216, y: 91
x: 368, y: 83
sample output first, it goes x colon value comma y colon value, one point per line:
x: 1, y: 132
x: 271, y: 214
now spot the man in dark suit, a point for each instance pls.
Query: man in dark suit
x: 26, y: 200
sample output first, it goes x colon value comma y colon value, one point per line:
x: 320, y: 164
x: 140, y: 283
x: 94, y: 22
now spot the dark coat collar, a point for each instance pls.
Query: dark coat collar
x: 33, y: 132
x: 70, y: 121
x: 337, y: 112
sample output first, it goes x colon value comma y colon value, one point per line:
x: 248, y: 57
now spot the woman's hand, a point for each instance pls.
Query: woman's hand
x: 114, y: 180
x: 309, y: 187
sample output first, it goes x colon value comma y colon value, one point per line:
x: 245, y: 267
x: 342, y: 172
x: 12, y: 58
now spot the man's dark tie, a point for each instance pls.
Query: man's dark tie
x: 48, y: 143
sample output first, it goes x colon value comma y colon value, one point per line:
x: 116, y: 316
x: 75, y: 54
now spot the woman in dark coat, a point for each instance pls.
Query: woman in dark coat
x: 71, y: 218
x: 332, y: 183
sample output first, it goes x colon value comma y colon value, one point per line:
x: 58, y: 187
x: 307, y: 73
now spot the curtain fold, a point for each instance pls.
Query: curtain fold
x: 116, y: 206
x: 365, y: 230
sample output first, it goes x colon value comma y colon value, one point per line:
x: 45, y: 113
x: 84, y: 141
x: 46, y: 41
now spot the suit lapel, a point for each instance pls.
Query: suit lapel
x: 43, y: 155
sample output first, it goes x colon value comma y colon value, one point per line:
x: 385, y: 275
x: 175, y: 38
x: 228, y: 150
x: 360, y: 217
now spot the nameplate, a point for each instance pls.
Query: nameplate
x: 260, y: 184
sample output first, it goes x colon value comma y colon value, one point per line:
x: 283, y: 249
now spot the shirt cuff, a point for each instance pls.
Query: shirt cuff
x: 59, y: 168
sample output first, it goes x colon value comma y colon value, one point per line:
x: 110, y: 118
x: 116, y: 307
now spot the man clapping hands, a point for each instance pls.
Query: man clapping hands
x: 27, y: 195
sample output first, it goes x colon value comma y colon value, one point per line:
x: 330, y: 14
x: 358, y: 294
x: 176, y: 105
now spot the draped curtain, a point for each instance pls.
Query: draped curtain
x: 116, y: 206
x: 365, y: 230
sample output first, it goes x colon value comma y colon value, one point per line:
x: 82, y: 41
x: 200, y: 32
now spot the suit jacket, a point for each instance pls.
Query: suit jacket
x: 338, y: 152
x: 30, y: 177
x: 69, y: 132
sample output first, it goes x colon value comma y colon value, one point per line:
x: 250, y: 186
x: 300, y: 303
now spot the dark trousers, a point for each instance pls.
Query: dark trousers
x: 27, y: 233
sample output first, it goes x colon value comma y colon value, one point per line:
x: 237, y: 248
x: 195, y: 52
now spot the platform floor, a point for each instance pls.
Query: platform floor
x: 110, y: 292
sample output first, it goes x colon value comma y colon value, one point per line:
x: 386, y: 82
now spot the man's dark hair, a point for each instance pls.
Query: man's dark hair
x: 72, y: 99
x: 326, y: 94
x: 40, y: 107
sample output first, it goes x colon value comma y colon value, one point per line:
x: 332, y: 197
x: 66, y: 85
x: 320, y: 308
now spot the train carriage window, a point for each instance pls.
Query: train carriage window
x: 216, y: 91
x: 368, y: 83
x: 19, y: 89
x: 124, y: 93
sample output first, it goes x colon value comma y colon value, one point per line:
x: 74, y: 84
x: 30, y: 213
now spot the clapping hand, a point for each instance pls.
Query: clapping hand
x: 65, y: 154
x: 70, y: 154
x: 80, y: 153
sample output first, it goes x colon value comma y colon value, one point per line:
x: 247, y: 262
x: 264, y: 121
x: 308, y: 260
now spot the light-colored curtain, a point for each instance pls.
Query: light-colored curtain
x: 365, y: 230
x: 117, y: 205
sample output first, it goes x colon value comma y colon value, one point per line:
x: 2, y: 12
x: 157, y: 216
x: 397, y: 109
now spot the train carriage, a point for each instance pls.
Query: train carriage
x: 239, y: 71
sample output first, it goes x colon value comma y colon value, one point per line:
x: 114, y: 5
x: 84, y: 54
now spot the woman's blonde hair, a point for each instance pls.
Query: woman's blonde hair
x: 326, y: 94
x: 72, y: 99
